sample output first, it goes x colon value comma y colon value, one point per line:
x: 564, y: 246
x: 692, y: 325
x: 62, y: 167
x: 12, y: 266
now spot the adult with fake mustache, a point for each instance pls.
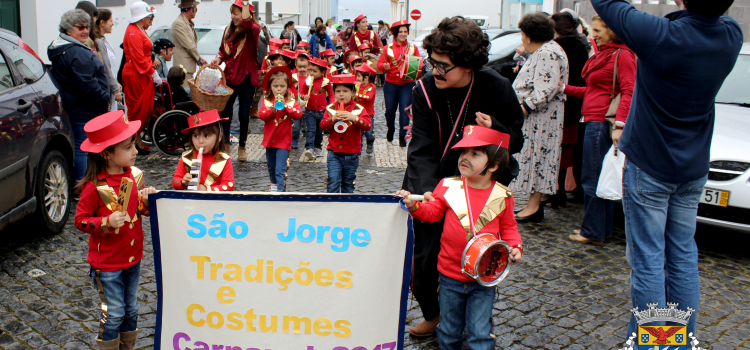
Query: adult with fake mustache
x: 458, y: 91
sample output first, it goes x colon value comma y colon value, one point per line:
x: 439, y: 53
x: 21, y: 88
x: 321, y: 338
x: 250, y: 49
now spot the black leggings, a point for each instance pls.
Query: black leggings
x: 245, y: 91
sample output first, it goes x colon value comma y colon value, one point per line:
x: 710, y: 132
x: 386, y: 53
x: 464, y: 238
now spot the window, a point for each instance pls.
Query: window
x: 6, y: 78
x: 577, y: 7
x: 637, y: 2
x: 654, y: 2
x: 30, y: 67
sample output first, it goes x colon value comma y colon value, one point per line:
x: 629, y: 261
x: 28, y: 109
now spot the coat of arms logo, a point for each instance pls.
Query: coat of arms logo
x: 662, y: 337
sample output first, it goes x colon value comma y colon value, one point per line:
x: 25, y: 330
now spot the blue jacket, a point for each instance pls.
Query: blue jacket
x: 314, y: 50
x: 80, y: 77
x: 683, y: 59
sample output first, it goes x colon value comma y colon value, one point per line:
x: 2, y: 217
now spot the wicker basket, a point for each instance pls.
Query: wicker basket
x: 206, y: 100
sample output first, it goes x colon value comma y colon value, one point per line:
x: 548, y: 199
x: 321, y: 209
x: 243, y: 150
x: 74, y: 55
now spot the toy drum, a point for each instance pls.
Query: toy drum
x: 412, y: 68
x: 486, y: 259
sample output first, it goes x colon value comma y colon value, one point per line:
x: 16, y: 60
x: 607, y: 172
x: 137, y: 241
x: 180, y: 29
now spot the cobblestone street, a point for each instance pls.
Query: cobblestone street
x: 563, y: 295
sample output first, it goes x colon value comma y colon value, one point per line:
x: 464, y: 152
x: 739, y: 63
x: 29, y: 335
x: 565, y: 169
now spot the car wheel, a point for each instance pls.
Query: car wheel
x: 53, y: 192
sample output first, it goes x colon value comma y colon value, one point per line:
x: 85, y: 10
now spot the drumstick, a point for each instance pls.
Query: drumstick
x: 123, y: 197
x: 415, y: 197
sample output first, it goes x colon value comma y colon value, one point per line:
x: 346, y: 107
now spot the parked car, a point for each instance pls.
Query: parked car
x: 726, y: 197
x: 502, y: 49
x: 36, y: 140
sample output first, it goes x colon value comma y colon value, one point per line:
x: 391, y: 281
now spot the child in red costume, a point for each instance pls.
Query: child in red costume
x: 366, y: 97
x: 345, y: 120
x: 217, y: 173
x: 115, y: 235
x: 277, y: 133
x: 472, y: 204
x: 330, y: 57
x: 316, y: 93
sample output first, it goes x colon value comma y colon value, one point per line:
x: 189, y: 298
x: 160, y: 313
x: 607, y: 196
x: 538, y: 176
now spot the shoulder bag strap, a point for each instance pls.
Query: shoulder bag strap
x: 614, y: 76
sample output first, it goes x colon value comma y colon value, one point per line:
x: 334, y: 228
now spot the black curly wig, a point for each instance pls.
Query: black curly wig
x: 463, y: 41
x: 537, y: 27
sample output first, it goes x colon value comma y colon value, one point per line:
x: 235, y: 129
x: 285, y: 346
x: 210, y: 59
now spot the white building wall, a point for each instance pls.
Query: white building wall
x: 434, y: 11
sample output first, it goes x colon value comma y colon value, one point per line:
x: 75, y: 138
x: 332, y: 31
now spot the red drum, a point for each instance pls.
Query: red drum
x: 486, y: 259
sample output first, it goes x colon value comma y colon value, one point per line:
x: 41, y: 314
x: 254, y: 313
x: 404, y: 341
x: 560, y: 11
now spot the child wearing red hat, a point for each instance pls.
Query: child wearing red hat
x: 115, y: 231
x: 345, y: 61
x: 316, y: 92
x: 365, y: 51
x: 299, y: 73
x: 355, y: 62
x: 472, y: 204
x: 216, y: 172
x: 273, y: 53
x: 303, y: 46
x: 330, y: 57
x: 290, y: 57
x: 285, y: 45
x: 345, y: 120
x: 365, y: 96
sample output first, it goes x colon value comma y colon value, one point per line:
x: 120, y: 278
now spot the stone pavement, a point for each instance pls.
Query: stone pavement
x: 561, y: 296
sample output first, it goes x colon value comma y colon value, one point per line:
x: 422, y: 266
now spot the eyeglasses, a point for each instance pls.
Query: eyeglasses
x: 82, y: 26
x: 439, y: 66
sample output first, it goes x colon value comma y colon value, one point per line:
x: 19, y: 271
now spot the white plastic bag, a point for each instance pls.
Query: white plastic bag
x: 610, y: 179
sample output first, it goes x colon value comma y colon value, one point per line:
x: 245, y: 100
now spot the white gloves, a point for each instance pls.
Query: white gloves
x: 157, y: 79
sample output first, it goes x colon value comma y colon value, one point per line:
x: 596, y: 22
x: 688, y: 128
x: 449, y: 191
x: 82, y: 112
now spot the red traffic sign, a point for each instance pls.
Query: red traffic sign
x: 416, y: 15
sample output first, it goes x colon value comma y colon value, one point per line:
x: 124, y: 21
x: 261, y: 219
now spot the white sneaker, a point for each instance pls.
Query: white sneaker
x: 309, y: 154
x: 234, y: 139
x: 274, y: 188
x: 318, y: 152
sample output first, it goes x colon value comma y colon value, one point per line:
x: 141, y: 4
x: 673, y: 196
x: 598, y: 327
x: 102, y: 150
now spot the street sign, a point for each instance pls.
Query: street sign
x: 416, y: 15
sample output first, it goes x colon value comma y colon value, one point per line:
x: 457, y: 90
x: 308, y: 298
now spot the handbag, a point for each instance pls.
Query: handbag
x: 614, y: 100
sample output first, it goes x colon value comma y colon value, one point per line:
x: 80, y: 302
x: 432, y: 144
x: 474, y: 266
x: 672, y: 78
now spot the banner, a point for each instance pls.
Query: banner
x: 241, y: 271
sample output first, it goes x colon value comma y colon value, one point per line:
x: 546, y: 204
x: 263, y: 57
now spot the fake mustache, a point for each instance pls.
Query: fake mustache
x: 467, y: 164
x: 439, y: 77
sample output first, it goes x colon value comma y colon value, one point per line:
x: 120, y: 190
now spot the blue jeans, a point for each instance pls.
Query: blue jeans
x: 598, y: 213
x: 342, y: 171
x: 121, y: 296
x: 465, y: 305
x: 80, y: 158
x: 661, y: 250
x: 296, y: 126
x: 244, y: 91
x: 397, y: 96
x: 276, y: 159
x: 313, y: 134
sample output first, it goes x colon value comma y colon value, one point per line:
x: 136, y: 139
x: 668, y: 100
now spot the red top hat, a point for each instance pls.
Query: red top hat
x: 354, y: 51
x: 363, y: 47
x: 344, y: 79
x: 477, y: 136
x: 274, y: 52
x: 327, y: 52
x: 108, y: 129
x: 359, y: 18
x: 238, y: 3
x: 203, y: 119
x: 400, y: 23
x: 303, y: 53
x: 275, y: 43
x: 289, y: 54
x: 303, y: 44
x: 267, y: 81
x: 319, y: 62
x: 354, y: 58
x: 365, y: 68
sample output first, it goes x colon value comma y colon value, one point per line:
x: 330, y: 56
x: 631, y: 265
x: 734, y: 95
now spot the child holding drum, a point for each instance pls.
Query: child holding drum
x: 478, y: 212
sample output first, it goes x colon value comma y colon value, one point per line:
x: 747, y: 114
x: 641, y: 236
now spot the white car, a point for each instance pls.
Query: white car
x: 725, y: 201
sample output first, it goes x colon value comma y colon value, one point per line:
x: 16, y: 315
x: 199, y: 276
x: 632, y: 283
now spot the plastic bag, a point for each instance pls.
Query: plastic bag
x: 210, y: 81
x: 610, y: 179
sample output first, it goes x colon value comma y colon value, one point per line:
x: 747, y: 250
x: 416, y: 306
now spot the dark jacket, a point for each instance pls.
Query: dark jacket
x: 577, y: 54
x: 492, y: 94
x: 315, y: 41
x: 80, y: 77
x: 683, y: 60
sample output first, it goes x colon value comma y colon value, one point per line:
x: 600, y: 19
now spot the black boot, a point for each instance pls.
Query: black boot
x: 389, y: 134
x: 402, y: 141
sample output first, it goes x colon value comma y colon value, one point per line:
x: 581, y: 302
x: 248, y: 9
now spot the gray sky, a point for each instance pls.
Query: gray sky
x: 373, y: 9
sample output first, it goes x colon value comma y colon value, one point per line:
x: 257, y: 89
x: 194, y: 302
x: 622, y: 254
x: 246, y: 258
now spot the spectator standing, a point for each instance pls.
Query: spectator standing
x: 364, y: 35
x: 538, y: 88
x: 292, y: 34
x: 93, y: 12
x: 103, y: 25
x: 331, y: 31
x: 343, y: 38
x: 320, y: 41
x: 186, y: 39
x: 596, y: 96
x: 683, y: 59
x: 384, y: 32
x: 81, y: 79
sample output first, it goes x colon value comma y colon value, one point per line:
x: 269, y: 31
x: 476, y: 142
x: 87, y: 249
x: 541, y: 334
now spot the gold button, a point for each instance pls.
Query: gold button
x: 132, y: 243
x: 224, y: 187
x: 272, y: 141
x: 341, y: 147
x: 131, y: 259
x: 231, y: 184
x: 83, y: 223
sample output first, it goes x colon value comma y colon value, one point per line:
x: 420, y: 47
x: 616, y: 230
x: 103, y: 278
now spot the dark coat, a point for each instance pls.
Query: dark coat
x: 492, y: 94
x: 80, y: 77
x: 577, y: 54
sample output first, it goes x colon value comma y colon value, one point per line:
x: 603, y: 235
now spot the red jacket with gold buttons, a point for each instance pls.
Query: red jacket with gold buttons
x: 277, y: 132
x: 366, y: 98
x: 110, y: 251
x: 350, y: 141
x: 219, y: 176
x: 321, y: 93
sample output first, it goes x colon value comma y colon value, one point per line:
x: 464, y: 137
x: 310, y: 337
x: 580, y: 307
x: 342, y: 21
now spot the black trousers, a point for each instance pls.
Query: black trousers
x: 244, y: 92
x: 425, y: 277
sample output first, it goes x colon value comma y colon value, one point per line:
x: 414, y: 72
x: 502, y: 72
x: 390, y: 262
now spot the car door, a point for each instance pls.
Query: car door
x: 20, y: 119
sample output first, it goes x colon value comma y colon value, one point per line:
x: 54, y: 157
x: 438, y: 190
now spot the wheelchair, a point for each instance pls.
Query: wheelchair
x: 165, y: 124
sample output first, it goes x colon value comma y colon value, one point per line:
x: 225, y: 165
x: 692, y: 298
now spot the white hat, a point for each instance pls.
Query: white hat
x: 140, y: 10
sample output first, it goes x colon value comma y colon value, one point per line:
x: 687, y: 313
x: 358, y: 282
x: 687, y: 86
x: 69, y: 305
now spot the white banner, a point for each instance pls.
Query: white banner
x: 292, y: 271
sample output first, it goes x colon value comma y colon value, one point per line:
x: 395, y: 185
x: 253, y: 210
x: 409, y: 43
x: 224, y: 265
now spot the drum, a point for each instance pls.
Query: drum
x: 412, y: 68
x: 486, y: 259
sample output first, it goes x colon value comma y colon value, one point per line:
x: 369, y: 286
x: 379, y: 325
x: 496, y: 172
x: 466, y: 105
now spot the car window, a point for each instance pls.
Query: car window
x: 209, y: 42
x: 6, y: 79
x: 276, y: 32
x: 202, y: 32
x: 30, y: 67
x: 161, y: 33
x: 736, y: 87
x: 505, y: 44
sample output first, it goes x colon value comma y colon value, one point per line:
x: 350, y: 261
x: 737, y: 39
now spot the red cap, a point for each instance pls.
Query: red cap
x: 289, y: 54
x: 275, y: 44
x: 274, y: 52
x: 319, y: 62
x: 203, y: 119
x: 363, y: 47
x: 238, y: 3
x: 366, y: 68
x: 303, y: 53
x: 303, y: 44
x: 354, y: 58
x: 400, y: 23
x: 344, y: 79
x: 266, y: 80
x: 359, y: 18
x: 477, y: 136
x: 327, y: 52
x: 108, y: 129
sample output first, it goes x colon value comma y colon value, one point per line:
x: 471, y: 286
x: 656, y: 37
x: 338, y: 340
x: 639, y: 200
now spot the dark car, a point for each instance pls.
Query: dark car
x: 502, y: 49
x: 36, y: 140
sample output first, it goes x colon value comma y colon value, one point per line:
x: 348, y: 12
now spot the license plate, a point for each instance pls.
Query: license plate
x: 715, y: 197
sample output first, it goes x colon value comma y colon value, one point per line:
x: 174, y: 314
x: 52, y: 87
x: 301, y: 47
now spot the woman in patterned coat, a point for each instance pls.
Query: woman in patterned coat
x: 538, y: 89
